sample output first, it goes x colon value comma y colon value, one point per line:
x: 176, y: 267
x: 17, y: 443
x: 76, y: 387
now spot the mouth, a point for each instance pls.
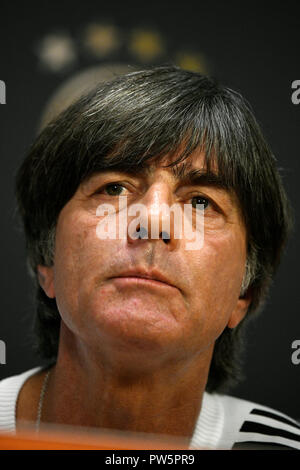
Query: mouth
x: 146, y: 278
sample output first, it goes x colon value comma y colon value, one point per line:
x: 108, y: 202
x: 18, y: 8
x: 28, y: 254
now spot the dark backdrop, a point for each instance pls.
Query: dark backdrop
x: 252, y: 47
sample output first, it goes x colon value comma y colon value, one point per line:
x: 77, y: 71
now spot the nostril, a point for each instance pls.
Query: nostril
x: 142, y: 232
x: 165, y: 236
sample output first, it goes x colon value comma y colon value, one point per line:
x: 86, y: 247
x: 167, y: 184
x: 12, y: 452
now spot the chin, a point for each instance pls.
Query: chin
x: 146, y: 327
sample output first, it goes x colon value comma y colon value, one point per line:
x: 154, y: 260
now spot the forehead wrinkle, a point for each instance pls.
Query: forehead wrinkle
x: 187, y: 174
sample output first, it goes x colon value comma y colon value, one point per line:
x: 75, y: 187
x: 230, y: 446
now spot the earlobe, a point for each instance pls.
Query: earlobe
x: 46, y: 280
x: 240, y: 310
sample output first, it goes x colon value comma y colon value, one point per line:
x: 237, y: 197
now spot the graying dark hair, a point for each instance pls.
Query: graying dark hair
x: 121, y: 125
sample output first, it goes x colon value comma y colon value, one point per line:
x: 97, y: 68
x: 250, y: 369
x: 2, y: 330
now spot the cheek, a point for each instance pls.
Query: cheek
x: 219, y: 268
x: 75, y: 250
x: 76, y: 240
x: 223, y: 257
x: 81, y: 261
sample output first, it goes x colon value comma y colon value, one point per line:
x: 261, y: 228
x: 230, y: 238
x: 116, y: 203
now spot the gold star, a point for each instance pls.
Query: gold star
x: 145, y: 45
x: 101, y: 40
x: 193, y: 62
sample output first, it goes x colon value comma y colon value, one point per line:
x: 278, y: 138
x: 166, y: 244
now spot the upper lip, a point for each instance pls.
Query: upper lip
x: 142, y: 273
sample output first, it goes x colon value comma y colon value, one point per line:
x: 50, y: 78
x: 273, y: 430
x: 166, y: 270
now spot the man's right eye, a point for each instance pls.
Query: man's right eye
x: 112, y: 189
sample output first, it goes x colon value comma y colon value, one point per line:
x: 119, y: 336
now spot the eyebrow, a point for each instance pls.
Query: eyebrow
x: 198, y: 176
x: 184, y: 173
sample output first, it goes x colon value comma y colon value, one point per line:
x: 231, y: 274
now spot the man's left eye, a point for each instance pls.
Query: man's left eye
x: 200, y: 200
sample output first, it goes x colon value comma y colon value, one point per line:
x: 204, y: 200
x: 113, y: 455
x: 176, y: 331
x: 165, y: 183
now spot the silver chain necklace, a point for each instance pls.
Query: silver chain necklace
x: 40, y: 405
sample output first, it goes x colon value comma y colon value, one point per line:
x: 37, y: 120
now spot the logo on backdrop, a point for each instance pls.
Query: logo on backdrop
x: 296, y: 94
x: 2, y: 92
x: 99, y: 51
x: 2, y: 352
x: 104, y: 42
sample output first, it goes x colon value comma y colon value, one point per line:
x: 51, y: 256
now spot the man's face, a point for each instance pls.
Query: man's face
x: 98, y: 294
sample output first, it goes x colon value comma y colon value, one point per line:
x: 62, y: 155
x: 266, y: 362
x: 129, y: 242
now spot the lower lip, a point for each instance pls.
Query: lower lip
x: 141, y: 281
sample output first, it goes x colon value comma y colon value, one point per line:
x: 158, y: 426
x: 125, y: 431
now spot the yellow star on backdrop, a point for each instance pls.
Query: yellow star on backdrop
x: 145, y: 45
x: 101, y: 40
x: 193, y: 62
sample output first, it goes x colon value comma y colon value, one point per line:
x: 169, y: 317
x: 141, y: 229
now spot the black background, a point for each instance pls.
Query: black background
x: 252, y: 47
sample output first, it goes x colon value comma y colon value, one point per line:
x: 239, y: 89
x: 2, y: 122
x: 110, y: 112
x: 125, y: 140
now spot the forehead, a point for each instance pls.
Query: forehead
x: 194, y: 164
x: 180, y: 168
x: 191, y: 170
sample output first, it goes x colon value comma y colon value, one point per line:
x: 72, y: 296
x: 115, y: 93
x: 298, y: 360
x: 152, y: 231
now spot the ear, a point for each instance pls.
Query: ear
x: 46, y: 280
x: 240, y: 310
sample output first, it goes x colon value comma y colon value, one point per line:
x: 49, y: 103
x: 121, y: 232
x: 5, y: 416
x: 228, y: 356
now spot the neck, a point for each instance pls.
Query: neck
x: 85, y: 389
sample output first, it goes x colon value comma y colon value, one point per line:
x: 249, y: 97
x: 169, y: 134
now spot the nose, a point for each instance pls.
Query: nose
x: 155, y: 220
x: 142, y: 233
